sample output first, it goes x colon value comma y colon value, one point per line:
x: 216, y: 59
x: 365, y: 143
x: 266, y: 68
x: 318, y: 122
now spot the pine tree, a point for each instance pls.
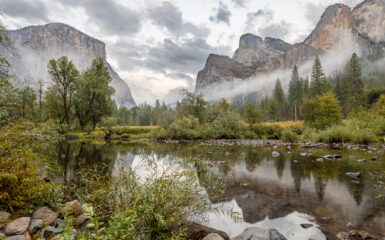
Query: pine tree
x: 351, y: 85
x: 279, y: 96
x: 306, y: 88
x: 318, y: 79
x: 295, y: 92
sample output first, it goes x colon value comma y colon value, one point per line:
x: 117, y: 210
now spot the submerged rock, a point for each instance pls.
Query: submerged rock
x: 275, y: 154
x: 362, y: 160
x: 375, y: 159
x: 319, y: 159
x: 355, y: 175
x: 256, y: 233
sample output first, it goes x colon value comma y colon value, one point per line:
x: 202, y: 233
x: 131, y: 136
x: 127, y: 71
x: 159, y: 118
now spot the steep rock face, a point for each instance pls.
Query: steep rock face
x: 340, y: 30
x: 32, y: 47
x: 219, y: 69
x: 369, y: 19
x: 254, y: 51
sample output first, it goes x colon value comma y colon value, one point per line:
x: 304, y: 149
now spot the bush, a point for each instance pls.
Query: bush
x: 184, y: 128
x: 322, y: 112
x: 22, y: 151
x: 143, y: 208
x: 227, y: 125
x: 343, y: 134
x: 263, y: 131
x: 288, y: 135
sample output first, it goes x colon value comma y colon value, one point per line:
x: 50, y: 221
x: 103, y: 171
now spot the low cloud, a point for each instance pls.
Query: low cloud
x: 222, y: 14
x: 33, y: 10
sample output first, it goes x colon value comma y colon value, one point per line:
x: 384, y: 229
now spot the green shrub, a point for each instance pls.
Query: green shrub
x: 184, y: 128
x: 227, y: 125
x: 288, y: 135
x: 22, y: 151
x: 322, y: 112
x: 266, y: 131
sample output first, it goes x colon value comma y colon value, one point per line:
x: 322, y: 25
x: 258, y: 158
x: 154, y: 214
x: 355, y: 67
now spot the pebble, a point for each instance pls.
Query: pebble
x: 275, y: 154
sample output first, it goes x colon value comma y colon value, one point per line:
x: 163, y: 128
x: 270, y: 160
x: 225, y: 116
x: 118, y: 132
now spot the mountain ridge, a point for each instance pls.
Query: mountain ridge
x: 364, y: 26
x: 33, y: 46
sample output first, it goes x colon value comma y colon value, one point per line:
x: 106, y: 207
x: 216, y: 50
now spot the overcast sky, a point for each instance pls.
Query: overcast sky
x: 158, y: 46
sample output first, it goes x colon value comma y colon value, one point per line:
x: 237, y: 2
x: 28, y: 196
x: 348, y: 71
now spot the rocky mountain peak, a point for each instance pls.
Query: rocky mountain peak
x: 369, y: 19
x: 32, y: 47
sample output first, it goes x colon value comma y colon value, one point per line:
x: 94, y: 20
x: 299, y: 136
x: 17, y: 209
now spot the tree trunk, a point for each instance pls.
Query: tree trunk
x: 295, y: 112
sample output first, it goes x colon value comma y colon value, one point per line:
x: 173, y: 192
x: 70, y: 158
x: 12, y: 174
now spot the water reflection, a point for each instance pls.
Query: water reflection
x: 261, y: 186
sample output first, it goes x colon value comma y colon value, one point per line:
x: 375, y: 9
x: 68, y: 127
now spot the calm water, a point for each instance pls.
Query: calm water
x: 281, y: 192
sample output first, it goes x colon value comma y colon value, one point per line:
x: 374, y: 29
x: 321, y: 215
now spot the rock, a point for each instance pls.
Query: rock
x: 295, y: 161
x: 275, y: 154
x: 27, y: 235
x: 355, y: 235
x: 4, y: 216
x: 256, y: 233
x: 336, y: 156
x: 196, y: 231
x: 48, y: 232
x: 306, y: 225
x: 49, y: 217
x: 319, y: 159
x: 328, y: 157
x: 350, y: 225
x: 375, y: 159
x: 57, y: 237
x: 213, y: 236
x: 380, y: 151
x: 17, y: 226
x: 305, y: 154
x: 362, y: 160
x: 227, y: 154
x: 46, y: 179
x: 73, y: 236
x: 353, y: 175
x: 80, y: 220
x: 59, y: 223
x: 35, y: 226
x: 16, y: 237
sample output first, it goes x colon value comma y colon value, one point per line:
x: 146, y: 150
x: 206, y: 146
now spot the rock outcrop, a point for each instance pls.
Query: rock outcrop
x: 363, y: 28
x: 32, y: 47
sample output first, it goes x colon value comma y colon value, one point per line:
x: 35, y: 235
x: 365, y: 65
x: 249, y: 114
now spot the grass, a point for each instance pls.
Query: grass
x: 286, y: 124
x: 118, y: 132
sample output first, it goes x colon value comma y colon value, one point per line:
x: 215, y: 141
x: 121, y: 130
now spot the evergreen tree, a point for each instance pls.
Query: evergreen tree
x: 318, y: 79
x: 352, y: 85
x: 295, y: 92
x: 279, y: 96
x: 306, y: 88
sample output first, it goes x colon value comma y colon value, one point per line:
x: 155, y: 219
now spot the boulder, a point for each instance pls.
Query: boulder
x: 59, y: 223
x: 16, y: 237
x: 256, y: 233
x: 4, y: 216
x: 35, y: 226
x: 275, y: 154
x: 48, y: 232
x: 17, y: 226
x: 213, y: 236
x: 80, y: 220
x: 355, y: 175
x: 73, y: 208
x: 48, y: 216
x: 196, y: 231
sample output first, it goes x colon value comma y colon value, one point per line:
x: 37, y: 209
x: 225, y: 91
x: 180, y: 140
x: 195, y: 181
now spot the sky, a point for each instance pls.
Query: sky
x: 158, y: 46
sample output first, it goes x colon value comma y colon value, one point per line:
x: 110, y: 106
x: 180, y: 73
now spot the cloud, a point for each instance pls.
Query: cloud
x: 170, y: 17
x: 259, y: 17
x: 34, y: 10
x: 275, y: 30
x: 110, y: 16
x: 239, y: 3
x: 222, y: 14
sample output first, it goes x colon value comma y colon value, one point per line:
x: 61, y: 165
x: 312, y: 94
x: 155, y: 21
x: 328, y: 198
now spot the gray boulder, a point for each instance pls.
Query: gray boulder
x: 16, y: 237
x: 35, y: 226
x: 4, y: 216
x: 17, y: 226
x: 48, y: 232
x: 256, y: 233
x: 49, y: 217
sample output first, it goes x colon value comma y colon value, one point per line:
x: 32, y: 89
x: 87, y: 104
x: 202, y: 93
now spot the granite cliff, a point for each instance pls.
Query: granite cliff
x: 32, y: 47
x: 362, y: 26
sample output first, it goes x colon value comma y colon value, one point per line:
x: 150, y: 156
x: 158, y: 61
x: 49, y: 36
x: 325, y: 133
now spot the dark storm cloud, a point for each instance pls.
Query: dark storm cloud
x: 33, y: 10
x: 170, y: 17
x: 275, y: 30
x: 110, y: 16
x: 222, y: 14
x: 239, y: 3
